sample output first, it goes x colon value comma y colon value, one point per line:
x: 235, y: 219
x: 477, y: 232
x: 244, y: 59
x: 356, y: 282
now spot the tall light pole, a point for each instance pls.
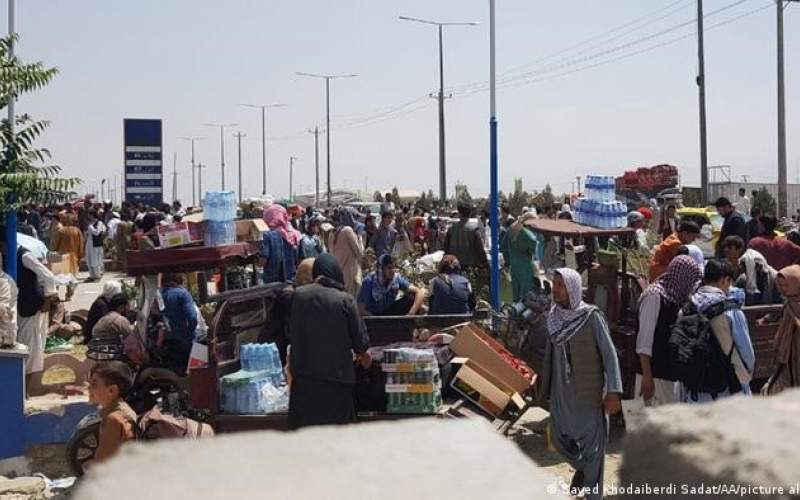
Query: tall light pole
x: 442, y: 168
x: 782, y: 177
x: 701, y: 85
x: 192, y: 139
x: 291, y: 177
x: 11, y: 215
x: 316, y: 133
x: 264, y: 108
x: 221, y: 127
x: 327, y: 79
x: 494, y: 218
x: 239, y: 136
x: 200, y: 168
x: 174, y: 176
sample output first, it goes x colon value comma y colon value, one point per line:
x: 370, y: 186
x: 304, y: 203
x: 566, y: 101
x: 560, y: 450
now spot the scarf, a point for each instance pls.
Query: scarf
x: 517, y: 226
x: 563, y: 323
x: 751, y: 259
x: 788, y: 282
x: 380, y: 288
x: 277, y: 219
x: 707, y: 297
x: 327, y: 272
x: 678, y: 281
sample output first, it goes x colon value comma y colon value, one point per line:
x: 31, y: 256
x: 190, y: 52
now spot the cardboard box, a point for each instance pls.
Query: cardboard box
x: 481, y: 349
x: 250, y: 230
x: 173, y: 235
x: 482, y: 388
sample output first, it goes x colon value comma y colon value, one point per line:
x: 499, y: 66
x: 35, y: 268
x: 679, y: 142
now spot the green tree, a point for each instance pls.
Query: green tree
x: 25, y: 175
x: 395, y: 196
x: 549, y: 199
x: 377, y: 197
x: 765, y: 201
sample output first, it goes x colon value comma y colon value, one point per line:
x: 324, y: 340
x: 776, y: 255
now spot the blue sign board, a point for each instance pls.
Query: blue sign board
x: 144, y: 169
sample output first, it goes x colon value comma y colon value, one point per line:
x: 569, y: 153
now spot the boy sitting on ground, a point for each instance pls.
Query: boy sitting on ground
x: 108, y: 383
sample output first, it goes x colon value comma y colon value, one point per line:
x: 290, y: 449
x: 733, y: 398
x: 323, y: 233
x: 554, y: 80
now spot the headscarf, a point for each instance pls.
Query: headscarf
x: 751, y: 259
x: 380, y: 288
x: 678, y: 282
x: 564, y: 323
x: 788, y: 283
x: 304, y: 274
x: 111, y: 288
x: 517, y: 226
x: 697, y: 255
x: 635, y: 216
x: 326, y: 272
x: 278, y: 220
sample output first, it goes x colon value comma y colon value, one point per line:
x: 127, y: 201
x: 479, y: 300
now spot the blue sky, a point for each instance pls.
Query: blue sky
x: 194, y: 62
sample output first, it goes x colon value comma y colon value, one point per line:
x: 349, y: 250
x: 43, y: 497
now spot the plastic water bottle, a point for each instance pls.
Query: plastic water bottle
x: 244, y: 357
x: 590, y: 187
x: 276, y: 357
x: 623, y: 215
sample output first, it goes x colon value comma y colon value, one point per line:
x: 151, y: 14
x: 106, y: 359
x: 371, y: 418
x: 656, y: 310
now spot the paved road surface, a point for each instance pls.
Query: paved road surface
x: 86, y: 293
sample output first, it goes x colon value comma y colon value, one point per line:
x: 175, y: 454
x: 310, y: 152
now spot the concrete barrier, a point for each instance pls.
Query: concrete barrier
x: 426, y: 458
x: 746, y: 444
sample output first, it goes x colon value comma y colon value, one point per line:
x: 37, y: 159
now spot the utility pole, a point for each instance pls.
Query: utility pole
x: 701, y: 85
x: 782, y: 174
x: 174, y: 177
x: 194, y: 193
x: 221, y: 127
x: 200, y: 168
x: 441, y: 97
x: 239, y: 136
x: 579, y: 184
x: 316, y: 133
x: 327, y: 79
x: 264, y: 108
x: 291, y: 177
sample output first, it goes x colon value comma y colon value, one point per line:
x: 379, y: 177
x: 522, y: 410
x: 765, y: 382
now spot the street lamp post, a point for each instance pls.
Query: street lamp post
x: 316, y: 133
x: 192, y: 139
x: 327, y: 79
x: 221, y: 127
x: 264, y: 108
x: 442, y: 168
x: 11, y: 216
x: 200, y: 168
x: 493, y: 175
x: 239, y: 136
x: 291, y: 177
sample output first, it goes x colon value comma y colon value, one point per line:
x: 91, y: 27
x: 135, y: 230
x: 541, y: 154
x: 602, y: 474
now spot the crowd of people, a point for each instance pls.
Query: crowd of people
x: 323, y: 255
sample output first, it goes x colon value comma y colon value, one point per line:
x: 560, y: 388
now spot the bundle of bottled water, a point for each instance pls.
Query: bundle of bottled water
x: 413, y: 382
x: 599, y: 208
x: 259, y: 387
x: 219, y: 212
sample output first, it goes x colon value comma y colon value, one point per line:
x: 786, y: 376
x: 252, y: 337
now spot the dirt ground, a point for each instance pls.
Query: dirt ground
x: 531, y: 436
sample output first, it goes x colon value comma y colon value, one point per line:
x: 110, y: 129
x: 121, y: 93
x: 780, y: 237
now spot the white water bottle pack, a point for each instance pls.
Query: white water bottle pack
x: 599, y: 207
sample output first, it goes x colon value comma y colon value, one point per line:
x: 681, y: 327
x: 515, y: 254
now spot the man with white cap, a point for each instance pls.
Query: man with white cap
x: 636, y: 221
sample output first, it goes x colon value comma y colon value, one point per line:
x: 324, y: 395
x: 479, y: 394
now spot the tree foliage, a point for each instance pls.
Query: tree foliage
x: 764, y: 201
x: 377, y: 196
x: 25, y: 173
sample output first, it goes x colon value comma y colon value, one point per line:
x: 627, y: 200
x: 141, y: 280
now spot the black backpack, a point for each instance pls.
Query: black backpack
x: 696, y: 358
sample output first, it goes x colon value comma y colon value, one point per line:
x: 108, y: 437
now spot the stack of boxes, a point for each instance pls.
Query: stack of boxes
x: 413, y: 382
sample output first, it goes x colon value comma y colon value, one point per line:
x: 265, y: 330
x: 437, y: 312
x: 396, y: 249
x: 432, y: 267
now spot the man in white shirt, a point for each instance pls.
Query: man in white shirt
x: 742, y: 204
x: 37, y: 288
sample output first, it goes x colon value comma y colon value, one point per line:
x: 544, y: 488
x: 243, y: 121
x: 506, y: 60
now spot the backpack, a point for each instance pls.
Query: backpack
x: 157, y: 425
x: 695, y: 356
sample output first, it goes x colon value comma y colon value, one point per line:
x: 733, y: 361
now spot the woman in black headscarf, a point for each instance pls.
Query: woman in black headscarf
x: 325, y: 330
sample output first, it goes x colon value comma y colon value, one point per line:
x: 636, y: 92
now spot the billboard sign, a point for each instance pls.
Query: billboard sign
x: 144, y: 169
